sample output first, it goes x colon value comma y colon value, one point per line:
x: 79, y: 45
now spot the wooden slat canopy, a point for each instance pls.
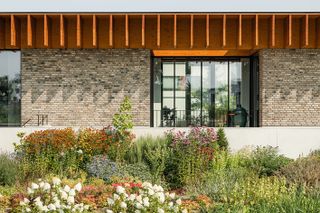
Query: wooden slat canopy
x: 210, y: 33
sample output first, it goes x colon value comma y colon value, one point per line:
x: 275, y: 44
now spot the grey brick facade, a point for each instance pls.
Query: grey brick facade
x: 289, y: 87
x: 84, y: 87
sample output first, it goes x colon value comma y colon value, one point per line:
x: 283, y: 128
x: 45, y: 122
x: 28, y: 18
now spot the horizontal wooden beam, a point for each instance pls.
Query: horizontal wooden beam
x: 176, y: 53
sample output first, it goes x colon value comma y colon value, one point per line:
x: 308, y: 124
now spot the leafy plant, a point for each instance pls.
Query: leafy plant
x: 222, y: 139
x: 303, y: 171
x: 138, y: 170
x: 266, y: 160
x: 9, y: 170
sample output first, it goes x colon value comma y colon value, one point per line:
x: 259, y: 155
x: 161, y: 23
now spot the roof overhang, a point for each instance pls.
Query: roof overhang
x: 166, y: 6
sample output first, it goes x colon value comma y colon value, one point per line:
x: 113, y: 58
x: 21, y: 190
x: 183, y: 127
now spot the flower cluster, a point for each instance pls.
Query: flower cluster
x: 52, y: 197
x: 149, y: 198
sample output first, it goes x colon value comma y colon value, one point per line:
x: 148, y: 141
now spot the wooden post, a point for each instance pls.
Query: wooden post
x: 45, y: 31
x: 29, y: 31
x: 94, y: 30
x: 13, y: 40
x: 111, y: 31
x: 78, y: 31
x: 143, y: 23
x: 158, y: 30
x: 61, y: 31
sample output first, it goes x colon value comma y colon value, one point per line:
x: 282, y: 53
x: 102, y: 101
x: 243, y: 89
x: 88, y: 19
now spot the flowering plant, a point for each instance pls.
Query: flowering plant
x: 51, y: 197
x: 148, y: 198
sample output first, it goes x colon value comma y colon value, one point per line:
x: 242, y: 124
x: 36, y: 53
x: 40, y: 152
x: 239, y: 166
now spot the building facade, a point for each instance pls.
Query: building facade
x: 179, y: 70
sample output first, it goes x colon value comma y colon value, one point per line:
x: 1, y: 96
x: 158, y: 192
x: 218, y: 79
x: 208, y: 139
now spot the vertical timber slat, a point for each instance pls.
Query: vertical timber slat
x: 224, y: 25
x: 257, y: 30
x: 127, y: 30
x: 143, y: 23
x: 13, y: 40
x: 61, y: 31
x: 306, y: 30
x: 290, y: 31
x: 273, y: 30
x: 240, y: 30
x: 175, y: 31
x: 158, y: 30
x: 45, y: 31
x: 78, y: 31
x: 29, y: 31
x: 111, y: 31
x: 94, y: 31
x: 207, y: 30
x: 191, y: 31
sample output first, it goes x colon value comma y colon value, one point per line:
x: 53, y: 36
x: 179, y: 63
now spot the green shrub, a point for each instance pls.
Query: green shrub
x: 303, y: 171
x: 222, y: 139
x: 9, y: 170
x: 153, y: 152
x: 266, y: 160
x: 120, y: 137
x: 138, y: 170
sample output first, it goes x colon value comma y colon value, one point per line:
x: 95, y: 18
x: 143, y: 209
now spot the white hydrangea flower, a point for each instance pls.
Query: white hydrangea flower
x: 78, y: 187
x: 123, y: 205
x: 120, y: 190
x: 109, y: 211
x: 172, y: 195
x: 161, y: 197
x: 52, y: 207
x: 151, y: 192
x: 28, y: 209
x: 110, y: 201
x: 64, y: 195
x: 72, y: 192
x: 56, y: 181
x: 138, y: 206
x: 116, y: 197
x: 132, y: 197
x: 46, y: 186
x: 160, y: 210
x: 184, y: 211
x: 70, y: 200
x: 170, y: 204
x: 178, y: 201
x: 30, y: 191
x: 139, y: 198
x: 41, y: 184
x: 34, y: 186
x: 66, y: 188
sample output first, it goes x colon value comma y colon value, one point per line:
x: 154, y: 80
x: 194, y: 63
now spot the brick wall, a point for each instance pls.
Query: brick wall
x: 84, y: 87
x: 289, y: 87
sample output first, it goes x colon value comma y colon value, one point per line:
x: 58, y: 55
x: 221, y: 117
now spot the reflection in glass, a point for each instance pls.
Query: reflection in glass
x: 10, y: 88
x: 203, y: 93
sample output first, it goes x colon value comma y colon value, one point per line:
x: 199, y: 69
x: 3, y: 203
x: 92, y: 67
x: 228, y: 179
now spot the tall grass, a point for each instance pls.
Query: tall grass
x: 9, y: 170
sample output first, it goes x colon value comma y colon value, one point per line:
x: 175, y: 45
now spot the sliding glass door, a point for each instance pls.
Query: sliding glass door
x: 201, y: 92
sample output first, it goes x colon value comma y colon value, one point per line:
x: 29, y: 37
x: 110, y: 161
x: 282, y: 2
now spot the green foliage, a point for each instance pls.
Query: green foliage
x: 9, y: 170
x: 266, y: 160
x: 153, y: 152
x: 303, y: 171
x: 122, y: 120
x: 222, y: 139
x: 121, y: 135
x: 140, y: 171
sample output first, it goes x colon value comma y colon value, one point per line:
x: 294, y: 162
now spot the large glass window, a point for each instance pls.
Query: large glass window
x: 10, y: 88
x: 201, y: 92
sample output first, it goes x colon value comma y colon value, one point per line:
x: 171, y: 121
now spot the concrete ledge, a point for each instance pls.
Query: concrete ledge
x: 292, y: 141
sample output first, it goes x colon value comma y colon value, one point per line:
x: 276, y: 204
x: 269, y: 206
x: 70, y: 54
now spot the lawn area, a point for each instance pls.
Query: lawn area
x: 109, y: 170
